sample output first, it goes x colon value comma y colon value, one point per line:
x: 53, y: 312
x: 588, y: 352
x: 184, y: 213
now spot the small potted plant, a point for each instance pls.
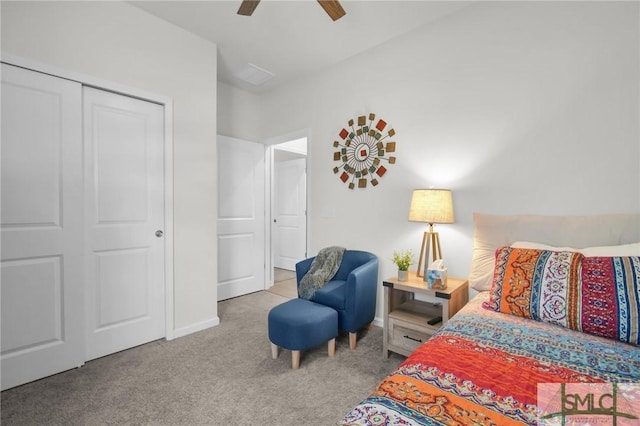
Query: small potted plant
x: 403, y: 260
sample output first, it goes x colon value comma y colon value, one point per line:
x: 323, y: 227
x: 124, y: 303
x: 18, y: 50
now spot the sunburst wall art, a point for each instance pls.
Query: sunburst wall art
x: 363, y: 151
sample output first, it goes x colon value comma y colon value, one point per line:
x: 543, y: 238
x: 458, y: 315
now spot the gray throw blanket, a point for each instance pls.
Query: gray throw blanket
x: 323, y: 268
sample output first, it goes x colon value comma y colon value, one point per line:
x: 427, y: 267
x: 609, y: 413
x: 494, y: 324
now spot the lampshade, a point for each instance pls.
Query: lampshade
x: 431, y: 206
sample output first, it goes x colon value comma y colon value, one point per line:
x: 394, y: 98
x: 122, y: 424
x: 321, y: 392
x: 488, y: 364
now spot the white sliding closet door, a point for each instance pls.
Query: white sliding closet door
x: 124, y: 198
x: 41, y: 280
x: 82, y: 267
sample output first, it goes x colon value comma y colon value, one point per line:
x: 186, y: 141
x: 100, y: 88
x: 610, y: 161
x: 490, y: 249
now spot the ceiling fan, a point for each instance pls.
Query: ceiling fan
x: 332, y: 7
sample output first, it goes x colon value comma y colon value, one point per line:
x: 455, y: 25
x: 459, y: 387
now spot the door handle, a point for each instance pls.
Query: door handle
x: 159, y: 233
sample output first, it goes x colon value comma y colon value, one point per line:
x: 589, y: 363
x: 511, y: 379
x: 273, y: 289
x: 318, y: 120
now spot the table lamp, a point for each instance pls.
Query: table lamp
x: 430, y: 206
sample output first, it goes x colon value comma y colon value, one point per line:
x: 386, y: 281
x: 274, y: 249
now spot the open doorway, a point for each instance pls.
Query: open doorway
x: 288, y: 212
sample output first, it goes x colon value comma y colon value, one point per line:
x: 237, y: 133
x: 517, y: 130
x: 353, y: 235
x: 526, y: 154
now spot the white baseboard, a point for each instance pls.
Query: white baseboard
x: 378, y: 322
x: 193, y: 328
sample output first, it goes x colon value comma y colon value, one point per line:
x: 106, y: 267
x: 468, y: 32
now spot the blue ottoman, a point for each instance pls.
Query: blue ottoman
x: 300, y: 324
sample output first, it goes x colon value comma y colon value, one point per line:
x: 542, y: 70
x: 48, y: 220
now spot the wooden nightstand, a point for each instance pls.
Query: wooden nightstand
x: 406, y: 320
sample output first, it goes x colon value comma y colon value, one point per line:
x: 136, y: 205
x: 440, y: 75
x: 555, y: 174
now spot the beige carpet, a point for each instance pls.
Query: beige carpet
x: 220, y: 376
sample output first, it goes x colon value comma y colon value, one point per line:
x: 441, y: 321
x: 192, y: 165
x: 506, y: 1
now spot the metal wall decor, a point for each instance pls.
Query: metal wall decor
x: 362, y: 150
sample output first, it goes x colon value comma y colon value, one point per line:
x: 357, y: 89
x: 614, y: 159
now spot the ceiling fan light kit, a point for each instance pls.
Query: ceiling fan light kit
x: 332, y: 7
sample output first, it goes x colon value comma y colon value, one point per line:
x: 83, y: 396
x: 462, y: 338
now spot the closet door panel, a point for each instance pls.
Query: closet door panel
x: 124, y: 192
x: 41, y: 219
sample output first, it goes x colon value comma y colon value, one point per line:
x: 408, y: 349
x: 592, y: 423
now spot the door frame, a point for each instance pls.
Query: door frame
x: 167, y: 104
x: 269, y: 189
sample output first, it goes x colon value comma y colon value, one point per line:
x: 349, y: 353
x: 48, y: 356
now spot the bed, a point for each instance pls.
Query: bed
x: 488, y: 363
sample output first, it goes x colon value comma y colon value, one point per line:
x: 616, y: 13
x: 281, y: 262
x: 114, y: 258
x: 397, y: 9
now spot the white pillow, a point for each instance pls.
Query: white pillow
x: 632, y: 249
x: 539, y: 246
x: 621, y: 250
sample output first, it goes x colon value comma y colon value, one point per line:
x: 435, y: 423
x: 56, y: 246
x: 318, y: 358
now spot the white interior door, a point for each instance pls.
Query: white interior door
x: 241, y: 217
x: 124, y: 161
x: 290, y: 206
x: 41, y: 281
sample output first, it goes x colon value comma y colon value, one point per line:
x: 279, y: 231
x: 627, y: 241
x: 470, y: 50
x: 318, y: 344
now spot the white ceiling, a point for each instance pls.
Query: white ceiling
x: 296, y: 37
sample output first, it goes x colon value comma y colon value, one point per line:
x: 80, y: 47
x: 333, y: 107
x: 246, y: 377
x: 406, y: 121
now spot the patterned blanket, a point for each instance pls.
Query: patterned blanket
x: 483, y: 367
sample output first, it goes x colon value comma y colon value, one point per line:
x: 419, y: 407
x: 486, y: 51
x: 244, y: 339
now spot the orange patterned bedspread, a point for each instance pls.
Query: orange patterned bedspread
x: 483, y: 368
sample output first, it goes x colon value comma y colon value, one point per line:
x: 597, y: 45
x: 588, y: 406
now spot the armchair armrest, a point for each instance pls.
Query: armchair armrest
x: 363, y: 278
x: 361, y: 293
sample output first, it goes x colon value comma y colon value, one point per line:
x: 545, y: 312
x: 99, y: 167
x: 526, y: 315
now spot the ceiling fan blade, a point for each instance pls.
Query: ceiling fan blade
x: 333, y: 8
x: 247, y: 7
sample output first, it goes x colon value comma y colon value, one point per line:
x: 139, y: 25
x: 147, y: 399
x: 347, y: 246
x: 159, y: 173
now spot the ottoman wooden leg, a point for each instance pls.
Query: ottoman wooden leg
x: 274, y: 350
x: 353, y: 337
x: 332, y: 347
x: 295, y: 359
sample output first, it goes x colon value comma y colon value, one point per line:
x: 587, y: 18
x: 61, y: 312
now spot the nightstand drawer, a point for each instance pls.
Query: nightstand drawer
x: 405, y: 337
x: 413, y: 312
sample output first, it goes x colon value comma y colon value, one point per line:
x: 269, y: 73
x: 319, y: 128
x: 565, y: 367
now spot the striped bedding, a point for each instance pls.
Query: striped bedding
x: 483, y: 368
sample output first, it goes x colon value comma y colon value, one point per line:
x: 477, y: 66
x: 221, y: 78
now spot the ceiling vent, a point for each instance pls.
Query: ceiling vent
x: 254, y: 74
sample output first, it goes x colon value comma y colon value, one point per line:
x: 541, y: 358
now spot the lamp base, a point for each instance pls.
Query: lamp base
x: 430, y: 245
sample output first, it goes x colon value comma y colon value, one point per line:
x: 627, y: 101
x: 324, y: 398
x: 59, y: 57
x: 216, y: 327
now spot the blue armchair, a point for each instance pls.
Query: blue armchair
x: 351, y: 292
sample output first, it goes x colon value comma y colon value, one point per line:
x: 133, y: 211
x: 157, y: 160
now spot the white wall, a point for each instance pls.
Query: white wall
x: 120, y: 43
x: 239, y: 113
x: 518, y: 107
